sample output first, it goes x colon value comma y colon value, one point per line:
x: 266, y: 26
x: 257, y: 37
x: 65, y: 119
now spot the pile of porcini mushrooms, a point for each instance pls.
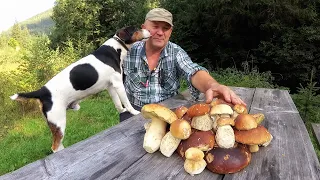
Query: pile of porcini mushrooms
x: 217, y: 136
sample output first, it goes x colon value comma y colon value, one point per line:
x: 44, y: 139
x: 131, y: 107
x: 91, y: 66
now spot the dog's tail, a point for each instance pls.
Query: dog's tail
x: 38, y: 94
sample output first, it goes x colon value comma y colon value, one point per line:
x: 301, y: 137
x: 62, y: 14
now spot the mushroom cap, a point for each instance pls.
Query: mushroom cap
x: 245, y: 122
x: 159, y: 111
x: 203, y: 140
x: 187, y: 118
x: 256, y: 136
x: 221, y: 109
x: 194, y: 154
x: 222, y: 121
x: 225, y: 161
x: 240, y: 109
x: 259, y: 117
x: 181, y: 111
x: 180, y: 129
x: 198, y: 109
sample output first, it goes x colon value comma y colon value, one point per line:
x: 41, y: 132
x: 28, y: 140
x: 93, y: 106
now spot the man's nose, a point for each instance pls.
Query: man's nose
x: 160, y: 31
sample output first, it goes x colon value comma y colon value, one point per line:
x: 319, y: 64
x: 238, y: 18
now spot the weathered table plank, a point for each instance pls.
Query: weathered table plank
x: 290, y: 154
x: 316, y: 131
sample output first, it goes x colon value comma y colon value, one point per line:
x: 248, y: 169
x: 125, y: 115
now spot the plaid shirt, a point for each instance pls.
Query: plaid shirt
x: 144, y: 86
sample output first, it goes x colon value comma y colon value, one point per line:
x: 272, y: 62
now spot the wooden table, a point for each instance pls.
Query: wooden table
x: 117, y: 153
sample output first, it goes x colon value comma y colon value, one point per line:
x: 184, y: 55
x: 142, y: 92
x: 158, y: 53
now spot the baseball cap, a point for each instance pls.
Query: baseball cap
x: 159, y: 14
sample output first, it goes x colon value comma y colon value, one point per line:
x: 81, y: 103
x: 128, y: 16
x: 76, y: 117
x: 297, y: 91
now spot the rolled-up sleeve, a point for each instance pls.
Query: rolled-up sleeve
x: 188, y: 68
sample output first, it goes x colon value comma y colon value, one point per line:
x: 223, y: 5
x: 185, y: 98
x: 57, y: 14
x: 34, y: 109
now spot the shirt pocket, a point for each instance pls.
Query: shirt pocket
x: 135, y: 80
x: 169, y: 80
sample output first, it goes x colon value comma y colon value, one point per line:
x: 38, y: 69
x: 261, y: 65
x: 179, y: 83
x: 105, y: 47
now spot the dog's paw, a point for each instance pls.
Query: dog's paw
x: 74, y: 107
x: 134, y: 112
x: 122, y: 110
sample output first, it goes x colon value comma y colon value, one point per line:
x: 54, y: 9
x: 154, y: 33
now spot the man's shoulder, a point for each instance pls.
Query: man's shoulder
x: 173, y: 45
x: 137, y: 45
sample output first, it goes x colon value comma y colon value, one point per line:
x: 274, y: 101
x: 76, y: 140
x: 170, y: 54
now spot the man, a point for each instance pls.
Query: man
x: 153, y: 68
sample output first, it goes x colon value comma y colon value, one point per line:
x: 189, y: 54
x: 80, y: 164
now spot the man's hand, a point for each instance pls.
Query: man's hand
x: 229, y: 96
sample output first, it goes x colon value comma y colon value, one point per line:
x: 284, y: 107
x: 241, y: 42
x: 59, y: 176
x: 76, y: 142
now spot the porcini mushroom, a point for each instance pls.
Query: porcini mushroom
x: 194, y: 162
x: 160, y: 116
x: 169, y: 144
x: 245, y: 122
x: 198, y: 109
x: 254, y: 137
x: 226, y: 161
x: 181, y: 111
x: 225, y: 136
x: 203, y: 123
x: 221, y: 109
x: 180, y: 129
x: 203, y: 140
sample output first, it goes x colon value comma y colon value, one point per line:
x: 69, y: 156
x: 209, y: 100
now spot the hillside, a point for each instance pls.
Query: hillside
x: 40, y: 23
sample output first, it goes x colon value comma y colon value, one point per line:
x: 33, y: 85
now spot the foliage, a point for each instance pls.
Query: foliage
x: 89, y: 23
x: 307, y: 102
x: 278, y: 36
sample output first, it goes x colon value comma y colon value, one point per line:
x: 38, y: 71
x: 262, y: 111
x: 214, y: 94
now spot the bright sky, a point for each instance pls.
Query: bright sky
x: 12, y: 11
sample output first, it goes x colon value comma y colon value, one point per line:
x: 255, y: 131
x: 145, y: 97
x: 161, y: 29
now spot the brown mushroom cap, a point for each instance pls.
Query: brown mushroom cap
x: 245, y: 122
x: 225, y: 161
x: 181, y: 111
x: 187, y: 118
x: 203, y: 140
x: 159, y: 111
x: 198, y: 109
x: 180, y: 129
x: 256, y: 136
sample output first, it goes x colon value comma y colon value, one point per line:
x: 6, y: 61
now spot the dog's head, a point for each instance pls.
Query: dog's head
x: 131, y: 34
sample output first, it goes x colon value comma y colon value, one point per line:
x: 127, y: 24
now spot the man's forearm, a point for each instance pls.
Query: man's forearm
x: 203, y: 81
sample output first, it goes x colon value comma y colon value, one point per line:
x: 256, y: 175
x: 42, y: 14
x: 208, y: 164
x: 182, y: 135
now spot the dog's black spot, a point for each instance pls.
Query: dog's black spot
x: 83, y: 76
x: 108, y: 55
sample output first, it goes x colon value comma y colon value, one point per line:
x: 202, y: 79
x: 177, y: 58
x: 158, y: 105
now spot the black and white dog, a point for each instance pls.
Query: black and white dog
x: 94, y: 73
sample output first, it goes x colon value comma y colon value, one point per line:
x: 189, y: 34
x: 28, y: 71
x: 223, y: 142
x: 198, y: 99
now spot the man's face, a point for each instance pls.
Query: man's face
x: 160, y: 33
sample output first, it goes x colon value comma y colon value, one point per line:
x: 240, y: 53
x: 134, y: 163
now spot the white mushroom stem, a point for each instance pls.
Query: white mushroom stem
x: 202, y: 123
x: 225, y: 136
x: 154, y: 135
x: 169, y: 144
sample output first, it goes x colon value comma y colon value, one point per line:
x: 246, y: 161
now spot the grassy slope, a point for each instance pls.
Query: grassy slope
x: 30, y: 138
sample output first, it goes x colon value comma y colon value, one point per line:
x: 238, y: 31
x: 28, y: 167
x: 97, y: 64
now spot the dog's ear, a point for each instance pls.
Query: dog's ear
x: 126, y: 34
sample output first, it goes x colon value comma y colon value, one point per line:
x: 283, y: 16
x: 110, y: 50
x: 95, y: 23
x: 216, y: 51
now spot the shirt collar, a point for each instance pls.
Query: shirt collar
x: 164, y: 52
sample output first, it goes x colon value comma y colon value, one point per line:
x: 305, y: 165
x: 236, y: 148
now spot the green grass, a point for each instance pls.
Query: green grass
x: 30, y: 139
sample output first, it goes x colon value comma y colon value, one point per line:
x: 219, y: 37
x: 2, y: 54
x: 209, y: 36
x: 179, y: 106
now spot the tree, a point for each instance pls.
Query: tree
x: 88, y: 23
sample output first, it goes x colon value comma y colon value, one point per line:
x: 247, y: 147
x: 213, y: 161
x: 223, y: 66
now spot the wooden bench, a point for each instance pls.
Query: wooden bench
x: 117, y: 152
x: 316, y: 131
